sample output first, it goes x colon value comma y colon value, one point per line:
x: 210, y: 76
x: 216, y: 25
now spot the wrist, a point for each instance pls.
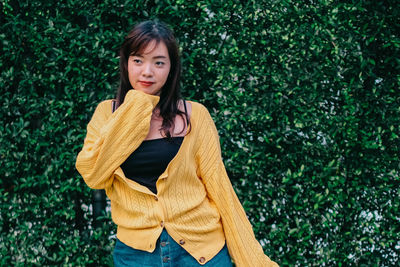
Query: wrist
x: 136, y: 95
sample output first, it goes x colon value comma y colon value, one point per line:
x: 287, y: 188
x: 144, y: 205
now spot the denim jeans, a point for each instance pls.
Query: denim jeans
x: 167, y: 253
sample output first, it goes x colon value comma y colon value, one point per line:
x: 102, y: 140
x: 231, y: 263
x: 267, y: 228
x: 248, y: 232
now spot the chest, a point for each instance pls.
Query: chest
x: 176, y: 129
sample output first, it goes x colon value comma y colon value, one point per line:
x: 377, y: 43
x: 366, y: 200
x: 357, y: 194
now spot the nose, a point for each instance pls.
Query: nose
x: 147, y: 70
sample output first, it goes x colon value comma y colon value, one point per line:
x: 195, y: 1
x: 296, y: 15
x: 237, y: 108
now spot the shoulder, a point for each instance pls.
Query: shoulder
x: 198, y: 109
x: 207, y: 134
x: 201, y: 114
x: 196, y: 104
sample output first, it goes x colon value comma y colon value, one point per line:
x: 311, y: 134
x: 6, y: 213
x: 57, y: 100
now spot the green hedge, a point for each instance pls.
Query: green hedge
x: 305, y: 95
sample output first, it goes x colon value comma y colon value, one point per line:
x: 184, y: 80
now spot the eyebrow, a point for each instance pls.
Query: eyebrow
x: 156, y: 57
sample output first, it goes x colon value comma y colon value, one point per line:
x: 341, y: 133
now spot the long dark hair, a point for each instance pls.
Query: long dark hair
x: 136, y: 42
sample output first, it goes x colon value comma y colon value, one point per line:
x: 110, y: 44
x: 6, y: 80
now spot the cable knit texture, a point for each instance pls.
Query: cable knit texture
x: 195, y: 199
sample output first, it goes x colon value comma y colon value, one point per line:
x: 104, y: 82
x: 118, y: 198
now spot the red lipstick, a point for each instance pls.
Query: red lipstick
x: 145, y: 83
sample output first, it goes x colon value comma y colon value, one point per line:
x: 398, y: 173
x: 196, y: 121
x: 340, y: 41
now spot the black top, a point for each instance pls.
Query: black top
x: 150, y: 159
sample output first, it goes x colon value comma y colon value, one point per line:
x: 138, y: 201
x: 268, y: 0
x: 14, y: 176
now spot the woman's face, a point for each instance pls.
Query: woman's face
x: 149, y: 71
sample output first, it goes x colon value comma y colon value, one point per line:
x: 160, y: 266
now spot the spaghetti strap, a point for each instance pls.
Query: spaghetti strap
x: 113, y: 105
x: 187, y: 119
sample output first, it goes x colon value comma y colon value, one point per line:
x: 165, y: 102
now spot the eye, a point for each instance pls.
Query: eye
x: 160, y: 63
x: 137, y: 61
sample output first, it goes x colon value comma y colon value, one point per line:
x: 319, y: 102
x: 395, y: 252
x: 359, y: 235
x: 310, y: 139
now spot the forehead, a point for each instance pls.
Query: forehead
x: 152, y: 48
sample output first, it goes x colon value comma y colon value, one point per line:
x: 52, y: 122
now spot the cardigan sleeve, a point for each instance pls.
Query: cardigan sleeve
x: 241, y: 242
x: 112, y: 137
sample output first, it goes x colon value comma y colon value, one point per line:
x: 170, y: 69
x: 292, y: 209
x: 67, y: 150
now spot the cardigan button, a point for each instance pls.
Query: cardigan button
x: 165, y: 259
x: 162, y: 223
x: 182, y: 242
x: 202, y: 259
x: 155, y: 198
x: 163, y: 244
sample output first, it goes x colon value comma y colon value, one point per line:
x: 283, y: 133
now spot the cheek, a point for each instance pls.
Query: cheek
x: 131, y: 71
x: 131, y: 75
x: 166, y: 73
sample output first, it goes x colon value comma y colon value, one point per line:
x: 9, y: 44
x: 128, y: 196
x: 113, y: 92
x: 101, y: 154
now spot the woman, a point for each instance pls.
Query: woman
x: 159, y: 160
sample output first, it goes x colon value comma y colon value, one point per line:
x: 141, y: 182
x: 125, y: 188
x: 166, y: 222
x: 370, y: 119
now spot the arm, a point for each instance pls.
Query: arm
x: 111, y: 138
x: 242, y: 244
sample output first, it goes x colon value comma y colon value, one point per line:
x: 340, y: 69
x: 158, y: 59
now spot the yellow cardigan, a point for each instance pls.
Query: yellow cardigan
x: 195, y: 199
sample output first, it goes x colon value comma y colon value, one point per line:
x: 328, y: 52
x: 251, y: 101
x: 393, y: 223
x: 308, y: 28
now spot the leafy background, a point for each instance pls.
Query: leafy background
x: 305, y: 96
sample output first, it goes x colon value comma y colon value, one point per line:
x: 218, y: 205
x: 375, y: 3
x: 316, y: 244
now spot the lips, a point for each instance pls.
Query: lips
x: 146, y: 83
